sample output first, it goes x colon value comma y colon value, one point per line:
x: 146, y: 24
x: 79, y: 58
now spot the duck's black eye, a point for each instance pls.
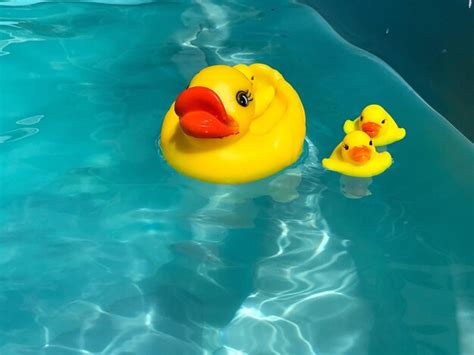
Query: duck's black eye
x: 370, y: 143
x: 243, y: 98
x: 346, y: 147
x: 361, y: 117
x: 383, y: 121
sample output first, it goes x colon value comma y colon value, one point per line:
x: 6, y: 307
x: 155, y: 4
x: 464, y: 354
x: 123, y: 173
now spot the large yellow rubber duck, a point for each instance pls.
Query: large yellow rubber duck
x: 356, y: 156
x: 378, y: 124
x: 234, y: 125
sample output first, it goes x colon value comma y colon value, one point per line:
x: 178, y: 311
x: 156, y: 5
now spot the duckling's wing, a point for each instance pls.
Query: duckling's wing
x: 400, y: 133
x: 390, y: 137
x: 381, y: 163
x: 349, y: 126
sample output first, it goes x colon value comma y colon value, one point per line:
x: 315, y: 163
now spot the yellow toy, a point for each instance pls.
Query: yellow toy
x: 234, y: 125
x: 356, y: 156
x: 378, y: 124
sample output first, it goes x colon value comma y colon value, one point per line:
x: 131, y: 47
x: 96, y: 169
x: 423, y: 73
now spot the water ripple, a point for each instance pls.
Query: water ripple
x: 17, y: 134
x: 308, y: 283
x: 30, y: 120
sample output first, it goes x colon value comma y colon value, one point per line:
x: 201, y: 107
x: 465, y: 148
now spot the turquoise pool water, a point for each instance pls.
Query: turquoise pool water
x: 106, y: 250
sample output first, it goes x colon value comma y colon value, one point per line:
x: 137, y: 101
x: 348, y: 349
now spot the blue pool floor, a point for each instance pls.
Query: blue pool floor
x: 104, y: 249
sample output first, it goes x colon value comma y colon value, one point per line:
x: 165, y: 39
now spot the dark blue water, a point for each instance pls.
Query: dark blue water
x: 429, y: 43
x: 106, y: 250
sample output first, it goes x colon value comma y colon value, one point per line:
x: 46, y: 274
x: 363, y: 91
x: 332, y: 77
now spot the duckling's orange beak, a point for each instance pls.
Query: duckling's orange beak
x: 371, y: 128
x: 202, y: 114
x: 360, y: 155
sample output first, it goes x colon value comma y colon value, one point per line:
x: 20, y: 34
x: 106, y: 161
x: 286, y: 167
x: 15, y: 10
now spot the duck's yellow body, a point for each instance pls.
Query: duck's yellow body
x: 256, y: 130
x: 378, y: 124
x: 356, y: 156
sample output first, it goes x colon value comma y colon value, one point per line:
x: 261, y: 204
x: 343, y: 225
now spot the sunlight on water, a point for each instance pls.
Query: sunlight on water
x: 309, y: 280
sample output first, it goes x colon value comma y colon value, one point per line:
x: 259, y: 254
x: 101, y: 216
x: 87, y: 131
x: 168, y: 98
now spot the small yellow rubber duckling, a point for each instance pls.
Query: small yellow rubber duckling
x: 378, y: 124
x: 356, y: 156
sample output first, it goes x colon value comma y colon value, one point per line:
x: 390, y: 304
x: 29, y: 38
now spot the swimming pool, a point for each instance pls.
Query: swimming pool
x: 106, y: 250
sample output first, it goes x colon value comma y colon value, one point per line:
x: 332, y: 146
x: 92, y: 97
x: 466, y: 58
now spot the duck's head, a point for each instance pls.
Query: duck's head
x: 374, y: 121
x: 218, y: 103
x: 357, y: 148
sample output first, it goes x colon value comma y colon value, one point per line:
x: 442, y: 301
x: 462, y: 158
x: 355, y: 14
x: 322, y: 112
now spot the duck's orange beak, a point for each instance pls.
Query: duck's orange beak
x: 371, y: 128
x: 202, y: 114
x: 360, y: 155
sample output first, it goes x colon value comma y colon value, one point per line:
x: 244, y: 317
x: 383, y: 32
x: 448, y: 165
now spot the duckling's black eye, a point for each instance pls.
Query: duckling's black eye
x: 244, y: 98
x: 361, y: 118
x: 346, y: 147
x: 383, y: 121
x: 370, y: 143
